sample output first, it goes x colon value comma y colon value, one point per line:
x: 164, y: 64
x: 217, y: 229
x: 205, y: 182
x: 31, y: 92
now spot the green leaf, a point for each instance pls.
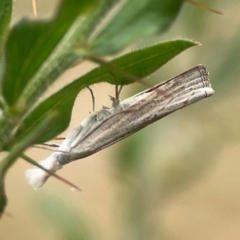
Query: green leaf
x: 94, y: 18
x: 38, y: 51
x: 140, y: 63
x: 135, y: 20
x: 5, y: 18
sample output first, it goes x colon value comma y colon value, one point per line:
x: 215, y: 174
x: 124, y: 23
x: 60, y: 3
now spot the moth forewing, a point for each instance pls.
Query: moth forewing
x: 147, y: 107
x: 107, y: 126
x: 87, y: 127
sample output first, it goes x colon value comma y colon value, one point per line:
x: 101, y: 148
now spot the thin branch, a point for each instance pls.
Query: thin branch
x: 34, y: 6
x: 203, y: 6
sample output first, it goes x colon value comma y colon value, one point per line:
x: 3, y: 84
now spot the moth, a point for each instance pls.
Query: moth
x: 108, y: 126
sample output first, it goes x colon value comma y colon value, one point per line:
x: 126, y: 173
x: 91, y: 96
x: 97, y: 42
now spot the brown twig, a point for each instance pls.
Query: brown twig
x: 203, y: 6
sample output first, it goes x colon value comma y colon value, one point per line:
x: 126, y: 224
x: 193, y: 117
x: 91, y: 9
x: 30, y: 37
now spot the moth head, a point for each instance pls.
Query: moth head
x: 63, y: 159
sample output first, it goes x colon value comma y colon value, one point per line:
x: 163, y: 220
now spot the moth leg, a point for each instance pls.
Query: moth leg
x: 93, y: 98
x: 102, y: 114
x: 118, y: 91
x: 116, y: 101
x: 105, y: 108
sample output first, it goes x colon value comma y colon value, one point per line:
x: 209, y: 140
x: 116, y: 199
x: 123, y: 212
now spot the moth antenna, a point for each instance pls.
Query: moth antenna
x: 50, y: 144
x: 60, y: 138
x: 49, y: 149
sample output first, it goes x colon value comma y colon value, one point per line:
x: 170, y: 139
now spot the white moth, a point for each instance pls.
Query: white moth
x: 107, y: 126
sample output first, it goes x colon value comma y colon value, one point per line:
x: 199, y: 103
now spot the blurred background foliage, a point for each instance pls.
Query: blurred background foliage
x: 176, y: 179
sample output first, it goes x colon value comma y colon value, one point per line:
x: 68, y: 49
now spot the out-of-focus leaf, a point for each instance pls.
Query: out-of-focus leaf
x: 140, y: 63
x: 66, y: 222
x: 38, y: 51
x: 95, y: 17
x: 5, y: 17
x: 135, y: 20
x: 228, y: 67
